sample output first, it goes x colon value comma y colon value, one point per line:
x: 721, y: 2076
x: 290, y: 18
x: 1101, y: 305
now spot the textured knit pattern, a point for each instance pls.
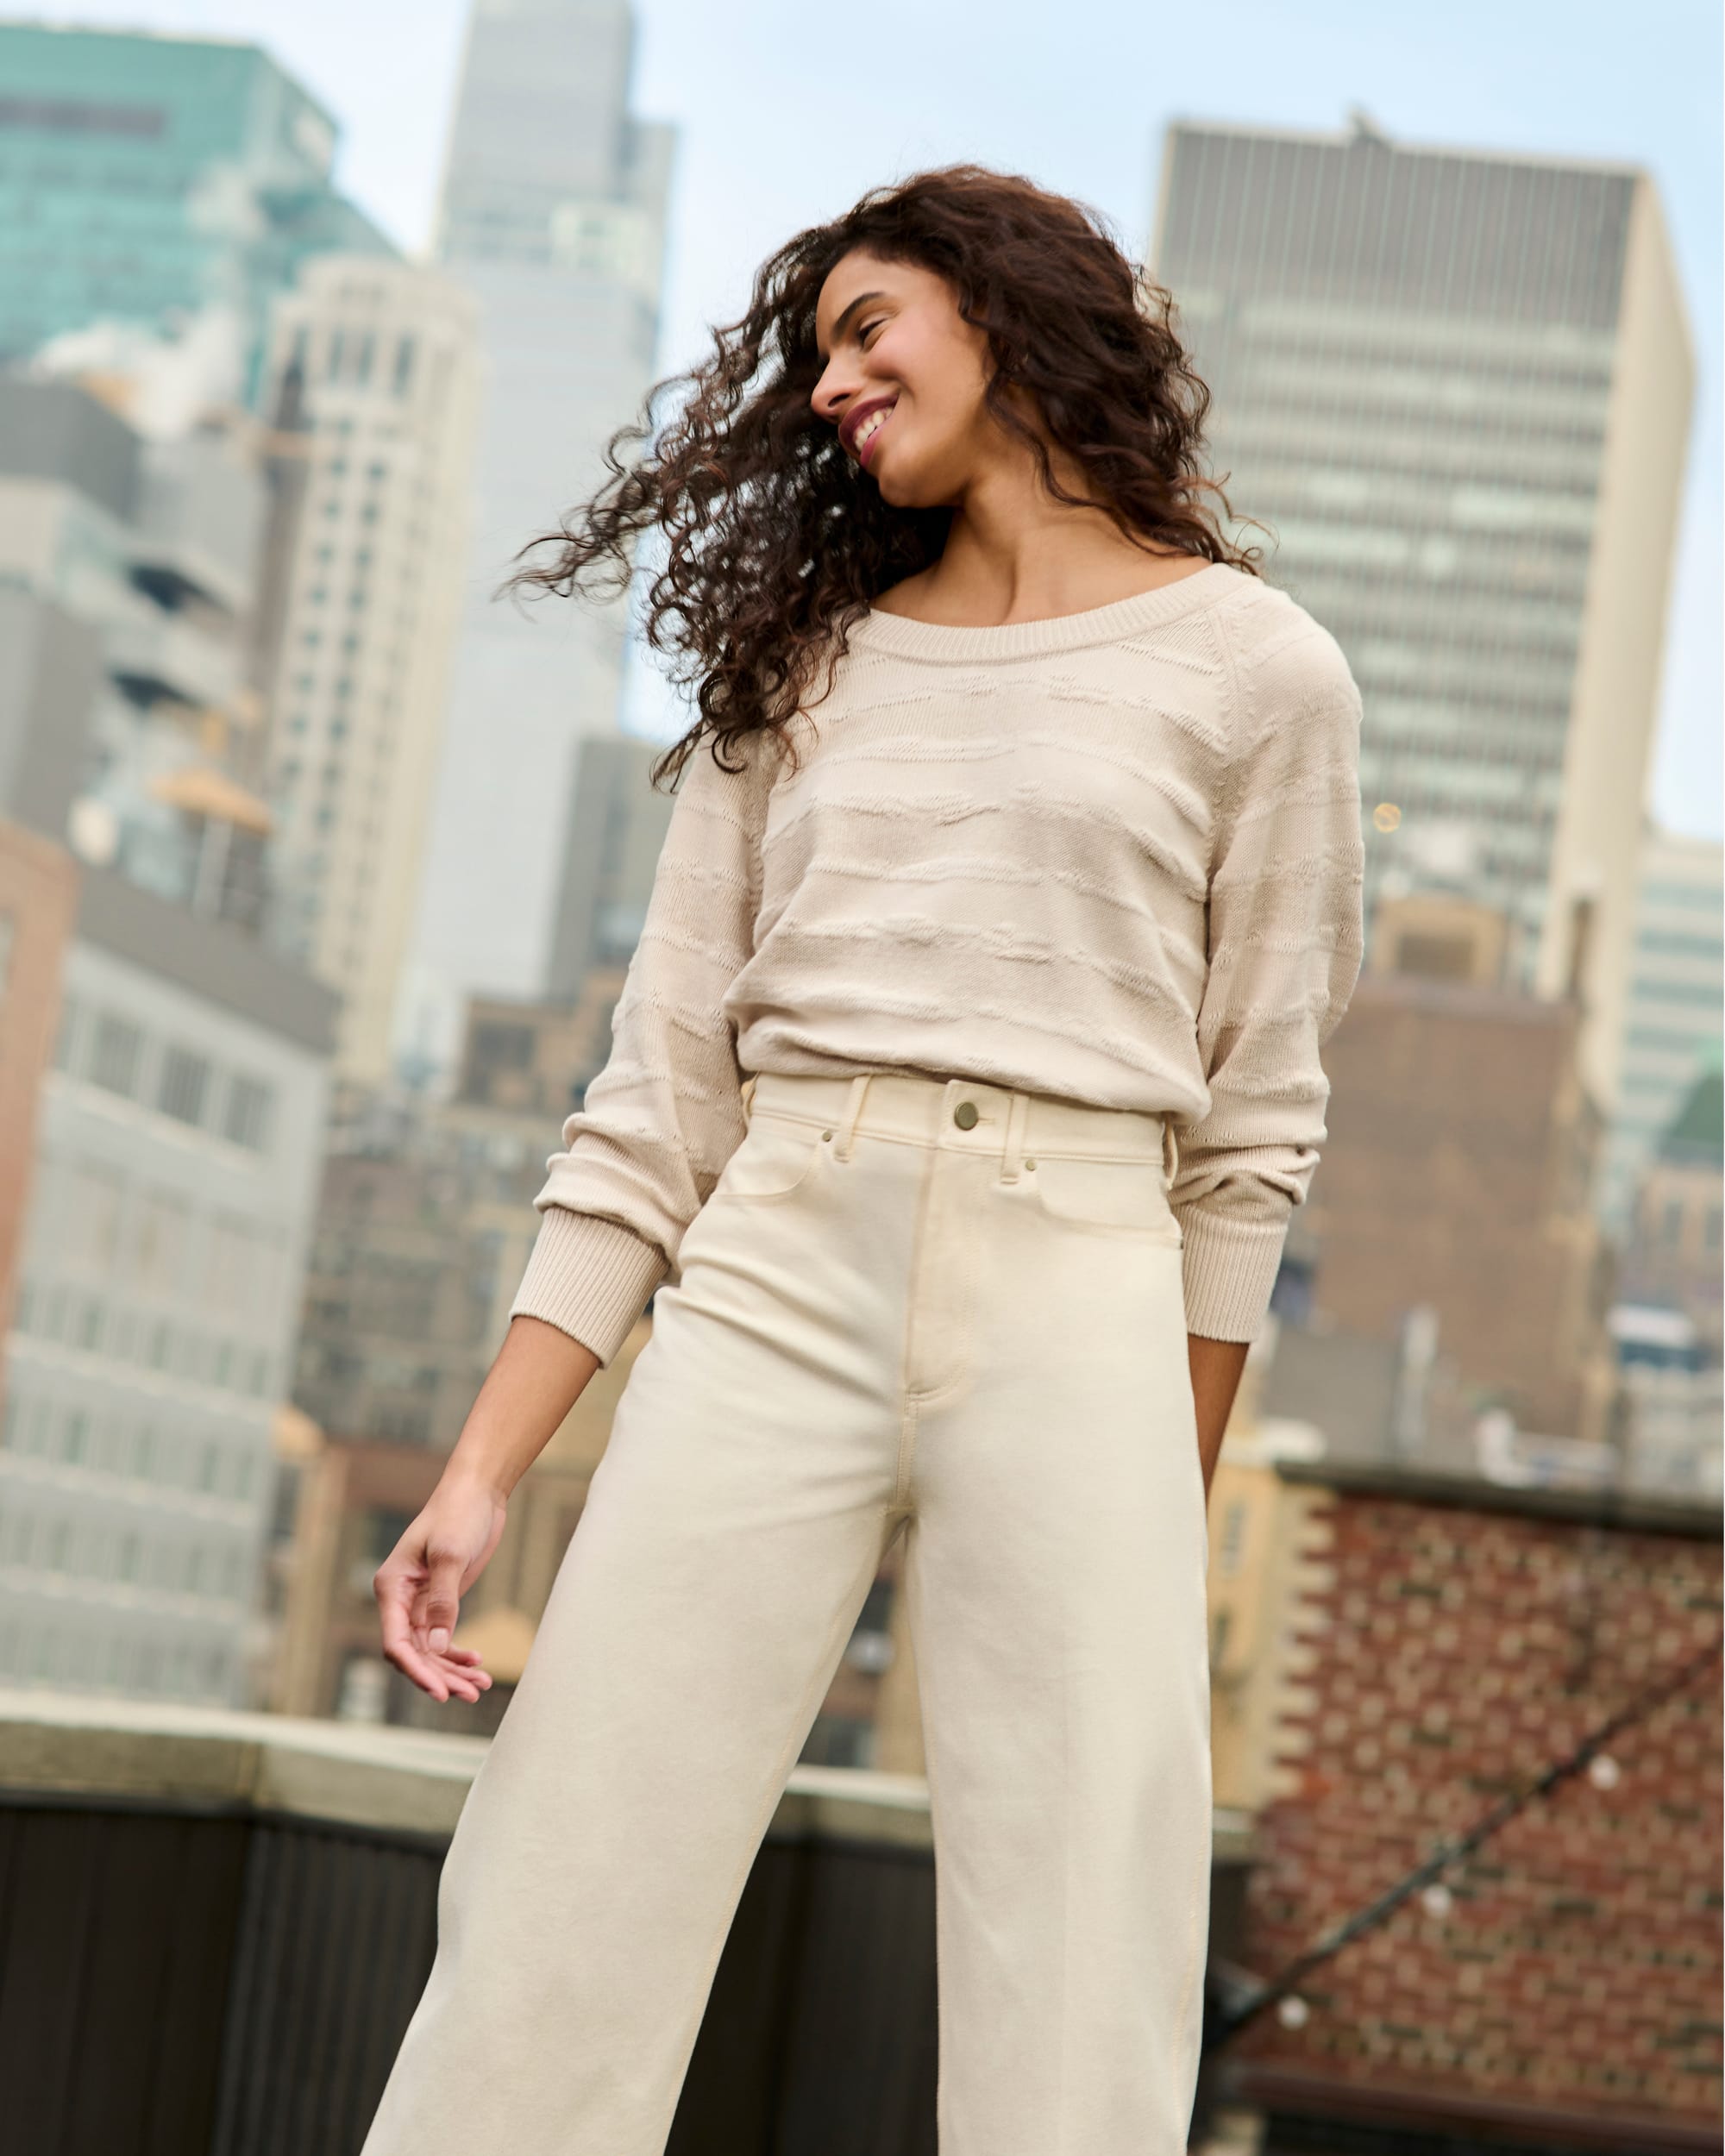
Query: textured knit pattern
x: 1114, y: 857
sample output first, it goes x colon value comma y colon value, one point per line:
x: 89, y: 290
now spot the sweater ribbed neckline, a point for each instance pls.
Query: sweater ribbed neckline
x: 911, y: 639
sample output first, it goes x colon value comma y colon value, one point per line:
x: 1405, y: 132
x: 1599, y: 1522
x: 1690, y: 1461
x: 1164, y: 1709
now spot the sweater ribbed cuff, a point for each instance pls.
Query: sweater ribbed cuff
x: 1228, y: 1272
x: 590, y: 1278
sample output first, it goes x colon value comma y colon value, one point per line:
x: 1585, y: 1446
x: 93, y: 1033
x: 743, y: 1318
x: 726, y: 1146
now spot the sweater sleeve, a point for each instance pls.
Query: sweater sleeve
x: 1285, y: 942
x: 660, y: 1120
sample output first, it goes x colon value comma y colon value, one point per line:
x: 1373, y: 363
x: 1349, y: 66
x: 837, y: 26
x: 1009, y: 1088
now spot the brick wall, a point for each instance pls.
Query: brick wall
x: 1577, y: 1971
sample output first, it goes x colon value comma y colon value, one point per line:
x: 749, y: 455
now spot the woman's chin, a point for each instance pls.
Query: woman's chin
x: 901, y: 489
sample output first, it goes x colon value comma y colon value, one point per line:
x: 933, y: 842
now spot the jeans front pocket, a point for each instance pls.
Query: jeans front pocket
x: 1108, y: 1197
x: 774, y: 1159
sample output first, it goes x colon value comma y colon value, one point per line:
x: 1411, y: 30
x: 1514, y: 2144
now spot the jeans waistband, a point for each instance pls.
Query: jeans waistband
x: 919, y: 1111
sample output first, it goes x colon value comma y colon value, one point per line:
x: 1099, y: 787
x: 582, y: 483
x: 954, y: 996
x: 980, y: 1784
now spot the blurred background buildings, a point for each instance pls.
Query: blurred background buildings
x: 320, y: 875
x: 553, y: 218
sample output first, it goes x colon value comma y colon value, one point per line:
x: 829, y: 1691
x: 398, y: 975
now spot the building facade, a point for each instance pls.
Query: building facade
x: 174, y: 1157
x: 158, y: 1301
x: 128, y: 572
x: 1677, y: 989
x: 1460, y: 1164
x: 553, y: 218
x: 385, y: 359
x: 1456, y: 386
x: 148, y: 181
x: 617, y: 825
x: 38, y: 909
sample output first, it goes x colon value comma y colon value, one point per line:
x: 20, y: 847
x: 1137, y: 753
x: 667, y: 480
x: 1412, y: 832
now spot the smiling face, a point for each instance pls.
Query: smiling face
x: 903, y: 379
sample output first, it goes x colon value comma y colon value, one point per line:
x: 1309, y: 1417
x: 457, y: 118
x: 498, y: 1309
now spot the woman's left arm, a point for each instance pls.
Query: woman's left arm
x: 1216, y: 1366
x: 1285, y: 947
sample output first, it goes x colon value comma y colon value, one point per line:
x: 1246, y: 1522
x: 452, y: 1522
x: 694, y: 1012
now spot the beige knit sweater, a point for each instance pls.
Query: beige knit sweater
x: 1114, y: 856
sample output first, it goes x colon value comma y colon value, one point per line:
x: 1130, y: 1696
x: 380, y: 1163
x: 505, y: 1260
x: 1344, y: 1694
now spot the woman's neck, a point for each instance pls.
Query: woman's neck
x: 1031, y: 560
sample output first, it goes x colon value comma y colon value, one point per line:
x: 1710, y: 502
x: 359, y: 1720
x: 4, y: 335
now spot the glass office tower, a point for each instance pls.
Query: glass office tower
x: 145, y: 180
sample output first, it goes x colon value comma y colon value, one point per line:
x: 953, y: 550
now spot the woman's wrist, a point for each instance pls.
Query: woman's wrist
x: 477, y: 1476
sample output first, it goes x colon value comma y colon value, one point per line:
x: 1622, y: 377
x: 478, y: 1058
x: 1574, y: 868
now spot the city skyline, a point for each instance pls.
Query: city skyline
x: 1533, y: 84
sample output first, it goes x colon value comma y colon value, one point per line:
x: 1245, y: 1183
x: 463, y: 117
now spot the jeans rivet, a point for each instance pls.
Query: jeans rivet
x: 826, y: 1134
x: 1030, y: 1164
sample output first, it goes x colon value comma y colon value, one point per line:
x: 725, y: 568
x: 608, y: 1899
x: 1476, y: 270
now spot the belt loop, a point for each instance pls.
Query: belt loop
x: 1018, y: 1114
x: 749, y: 1084
x: 1171, y: 1151
x: 853, y: 1110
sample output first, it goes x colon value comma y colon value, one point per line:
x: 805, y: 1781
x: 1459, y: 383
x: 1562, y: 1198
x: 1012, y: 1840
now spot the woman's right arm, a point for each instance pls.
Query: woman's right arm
x: 640, y: 1155
x: 539, y: 1375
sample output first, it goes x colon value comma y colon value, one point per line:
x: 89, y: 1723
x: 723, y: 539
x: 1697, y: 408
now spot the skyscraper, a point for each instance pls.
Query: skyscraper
x: 553, y: 217
x: 382, y: 365
x: 160, y: 1261
x: 1457, y: 386
x: 147, y: 180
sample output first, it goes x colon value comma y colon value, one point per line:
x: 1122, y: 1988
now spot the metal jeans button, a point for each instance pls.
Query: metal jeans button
x: 964, y: 1115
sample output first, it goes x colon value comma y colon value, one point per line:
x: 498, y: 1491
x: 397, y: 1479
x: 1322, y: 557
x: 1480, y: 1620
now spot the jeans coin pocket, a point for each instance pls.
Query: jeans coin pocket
x: 774, y: 1159
x: 1111, y: 1197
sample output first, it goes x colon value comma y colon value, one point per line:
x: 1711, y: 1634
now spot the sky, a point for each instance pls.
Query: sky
x: 788, y: 112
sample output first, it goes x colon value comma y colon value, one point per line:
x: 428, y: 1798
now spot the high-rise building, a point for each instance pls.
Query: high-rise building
x: 1672, y: 1018
x: 381, y: 360
x: 1457, y: 386
x: 553, y: 217
x: 147, y: 181
x: 173, y: 1169
x: 127, y: 572
x: 611, y: 853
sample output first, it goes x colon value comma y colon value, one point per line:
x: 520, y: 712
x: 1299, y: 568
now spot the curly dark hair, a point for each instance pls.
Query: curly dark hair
x: 778, y: 543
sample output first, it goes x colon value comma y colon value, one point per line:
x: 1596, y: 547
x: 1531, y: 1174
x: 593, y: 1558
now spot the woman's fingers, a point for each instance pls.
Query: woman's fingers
x: 438, y: 1603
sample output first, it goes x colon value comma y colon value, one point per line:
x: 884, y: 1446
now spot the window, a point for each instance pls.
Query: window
x: 185, y: 1086
x: 117, y: 1056
x: 163, y: 1225
x: 1232, y: 1542
x: 92, y: 1214
x: 66, y: 1038
x: 250, y: 1101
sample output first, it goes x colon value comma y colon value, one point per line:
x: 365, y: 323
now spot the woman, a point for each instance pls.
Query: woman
x: 962, y: 1084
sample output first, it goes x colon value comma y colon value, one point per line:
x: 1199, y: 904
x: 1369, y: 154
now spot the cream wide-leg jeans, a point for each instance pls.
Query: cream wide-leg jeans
x: 909, y: 1305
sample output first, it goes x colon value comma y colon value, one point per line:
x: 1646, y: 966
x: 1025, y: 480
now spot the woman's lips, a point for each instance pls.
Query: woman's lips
x: 865, y: 448
x: 872, y: 414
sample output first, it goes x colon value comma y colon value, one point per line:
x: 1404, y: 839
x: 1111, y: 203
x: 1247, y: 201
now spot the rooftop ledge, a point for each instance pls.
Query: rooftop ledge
x: 61, y: 1747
